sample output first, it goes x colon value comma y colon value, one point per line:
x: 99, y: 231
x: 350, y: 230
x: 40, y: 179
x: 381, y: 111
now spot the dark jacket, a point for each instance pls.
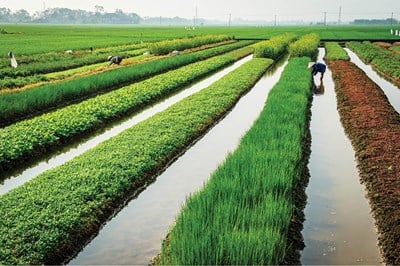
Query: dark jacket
x: 318, y: 67
x: 115, y: 60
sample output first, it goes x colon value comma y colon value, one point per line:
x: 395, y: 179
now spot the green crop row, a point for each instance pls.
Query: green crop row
x: 28, y: 137
x: 242, y: 215
x: 21, y: 104
x: 306, y: 46
x: 50, y: 62
x: 274, y: 47
x: 46, y: 219
x: 383, y: 60
x: 167, y: 46
x: 335, y: 52
x: 20, y: 81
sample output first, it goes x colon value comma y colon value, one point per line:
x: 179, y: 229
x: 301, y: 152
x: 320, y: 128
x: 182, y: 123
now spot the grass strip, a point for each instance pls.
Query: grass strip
x: 274, y: 47
x: 167, y: 46
x: 335, y: 52
x: 58, y: 61
x: 243, y: 214
x: 373, y: 126
x: 28, y: 138
x: 27, y: 102
x: 382, y: 60
x: 45, y: 220
x: 305, y: 46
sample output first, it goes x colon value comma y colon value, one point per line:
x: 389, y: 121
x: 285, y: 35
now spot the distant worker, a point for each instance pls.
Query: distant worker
x: 14, y: 63
x: 114, y: 60
x: 317, y: 67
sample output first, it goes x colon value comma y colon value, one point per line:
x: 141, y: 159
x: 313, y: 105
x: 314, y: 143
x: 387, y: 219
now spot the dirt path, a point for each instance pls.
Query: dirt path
x: 373, y: 126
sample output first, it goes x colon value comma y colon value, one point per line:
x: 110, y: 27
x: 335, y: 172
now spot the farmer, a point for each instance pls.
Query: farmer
x: 14, y: 63
x: 114, y: 60
x: 317, y: 67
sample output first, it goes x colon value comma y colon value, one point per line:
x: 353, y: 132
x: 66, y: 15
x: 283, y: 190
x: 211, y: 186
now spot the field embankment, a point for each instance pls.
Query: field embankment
x: 373, y: 127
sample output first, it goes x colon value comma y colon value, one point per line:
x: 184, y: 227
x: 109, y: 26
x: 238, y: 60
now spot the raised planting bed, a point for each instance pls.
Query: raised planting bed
x: 335, y: 52
x: 385, y: 62
x: 373, y: 127
x: 47, y: 220
x: 306, y: 45
x: 16, y: 106
x: 25, y: 139
x: 249, y: 210
x: 274, y: 47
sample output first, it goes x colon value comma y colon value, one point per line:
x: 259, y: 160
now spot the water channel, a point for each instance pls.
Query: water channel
x: 339, y: 228
x: 391, y: 91
x: 68, y: 153
x: 134, y: 236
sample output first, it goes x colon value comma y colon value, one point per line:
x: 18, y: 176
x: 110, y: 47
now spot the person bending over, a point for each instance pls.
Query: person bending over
x: 317, y: 67
x: 114, y: 60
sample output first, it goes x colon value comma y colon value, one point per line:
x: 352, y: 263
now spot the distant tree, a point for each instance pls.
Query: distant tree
x: 99, y: 9
x: 21, y: 16
x: 5, y: 14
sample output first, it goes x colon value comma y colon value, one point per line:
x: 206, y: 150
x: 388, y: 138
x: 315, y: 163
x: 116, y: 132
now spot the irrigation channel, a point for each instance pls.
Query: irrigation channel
x: 339, y: 228
x: 20, y: 176
x: 135, y: 234
x: 391, y: 91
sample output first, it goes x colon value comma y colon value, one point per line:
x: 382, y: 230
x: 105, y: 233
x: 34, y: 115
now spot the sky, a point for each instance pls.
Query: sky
x: 284, y: 10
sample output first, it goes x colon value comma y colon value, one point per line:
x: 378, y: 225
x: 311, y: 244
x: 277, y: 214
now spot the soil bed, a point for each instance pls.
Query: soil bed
x: 373, y: 127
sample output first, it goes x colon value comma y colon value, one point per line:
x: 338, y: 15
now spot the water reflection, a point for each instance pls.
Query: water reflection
x: 134, y: 236
x: 319, y: 89
x: 338, y: 228
x: 20, y: 176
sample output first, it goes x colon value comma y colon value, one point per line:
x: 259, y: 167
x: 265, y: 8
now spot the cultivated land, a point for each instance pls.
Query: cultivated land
x: 49, y: 218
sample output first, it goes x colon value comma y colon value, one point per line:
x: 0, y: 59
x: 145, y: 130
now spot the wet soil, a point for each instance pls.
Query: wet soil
x: 373, y: 127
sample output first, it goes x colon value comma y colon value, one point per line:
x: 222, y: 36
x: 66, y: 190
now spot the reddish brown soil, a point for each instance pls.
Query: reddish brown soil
x: 383, y: 44
x: 373, y: 127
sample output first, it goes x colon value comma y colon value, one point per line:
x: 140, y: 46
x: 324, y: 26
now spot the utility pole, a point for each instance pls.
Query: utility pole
x: 160, y: 20
x: 195, y: 18
x: 340, y: 15
x: 325, y: 18
x: 230, y: 19
x: 275, y: 20
x: 391, y: 20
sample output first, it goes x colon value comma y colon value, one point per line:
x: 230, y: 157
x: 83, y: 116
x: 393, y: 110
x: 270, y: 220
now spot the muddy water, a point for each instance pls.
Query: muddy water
x: 134, y: 236
x: 68, y: 153
x: 392, y: 91
x: 338, y: 228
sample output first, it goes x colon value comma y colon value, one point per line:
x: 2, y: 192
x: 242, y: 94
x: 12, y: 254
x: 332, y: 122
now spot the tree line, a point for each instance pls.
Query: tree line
x: 68, y: 16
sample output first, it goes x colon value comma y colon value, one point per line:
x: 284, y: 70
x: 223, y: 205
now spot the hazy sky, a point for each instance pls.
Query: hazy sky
x: 220, y: 9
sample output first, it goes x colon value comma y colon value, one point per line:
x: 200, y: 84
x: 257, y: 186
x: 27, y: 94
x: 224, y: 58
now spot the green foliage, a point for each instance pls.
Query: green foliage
x: 274, y: 47
x: 242, y: 215
x: 380, y: 58
x: 335, y: 52
x: 57, y: 61
x: 45, y: 217
x: 47, y: 38
x: 21, y: 104
x: 307, y: 45
x: 29, y: 137
x: 167, y: 46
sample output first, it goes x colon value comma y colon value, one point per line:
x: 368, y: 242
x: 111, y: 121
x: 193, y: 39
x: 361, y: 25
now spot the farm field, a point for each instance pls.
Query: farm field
x: 107, y: 151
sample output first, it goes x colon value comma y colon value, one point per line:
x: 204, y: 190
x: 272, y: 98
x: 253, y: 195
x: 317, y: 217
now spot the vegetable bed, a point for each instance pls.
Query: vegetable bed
x: 245, y: 213
x: 27, y: 138
x: 373, y: 127
x: 47, y: 219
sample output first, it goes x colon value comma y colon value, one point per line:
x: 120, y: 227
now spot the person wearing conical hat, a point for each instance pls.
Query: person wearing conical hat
x: 317, y: 68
